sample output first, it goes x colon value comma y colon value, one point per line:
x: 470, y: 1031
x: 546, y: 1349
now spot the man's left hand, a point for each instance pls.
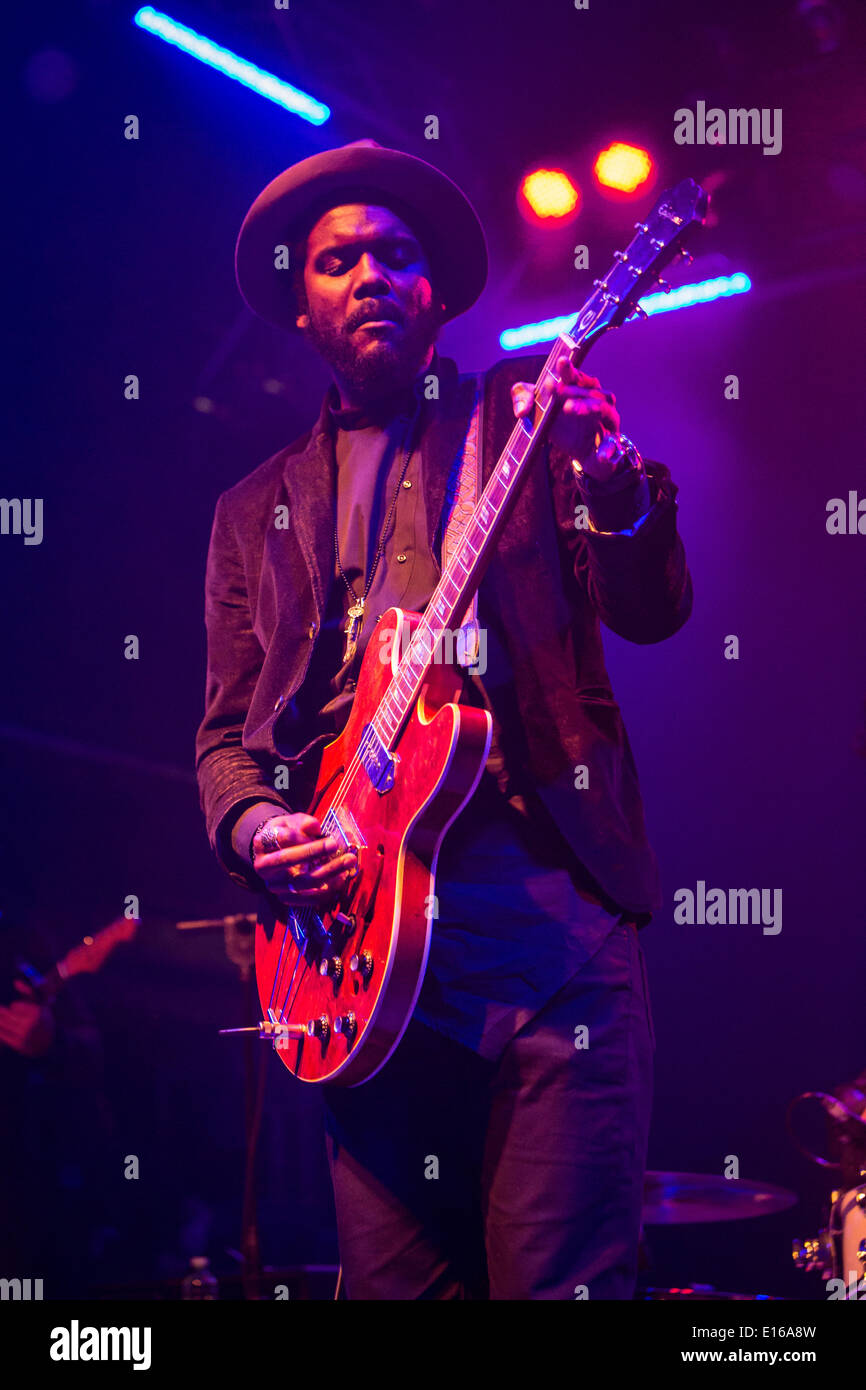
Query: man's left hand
x: 586, y: 412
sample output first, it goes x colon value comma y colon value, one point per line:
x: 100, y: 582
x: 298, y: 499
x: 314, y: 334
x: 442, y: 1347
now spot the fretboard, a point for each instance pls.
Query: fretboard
x: 616, y: 296
x: 465, y: 570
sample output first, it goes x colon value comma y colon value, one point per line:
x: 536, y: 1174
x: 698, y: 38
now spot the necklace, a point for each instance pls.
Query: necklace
x: 352, y: 629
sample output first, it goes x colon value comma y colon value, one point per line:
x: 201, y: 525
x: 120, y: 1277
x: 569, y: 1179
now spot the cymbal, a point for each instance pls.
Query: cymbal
x: 674, y: 1199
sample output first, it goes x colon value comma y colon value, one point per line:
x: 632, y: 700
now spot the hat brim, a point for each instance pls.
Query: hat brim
x: 439, y: 213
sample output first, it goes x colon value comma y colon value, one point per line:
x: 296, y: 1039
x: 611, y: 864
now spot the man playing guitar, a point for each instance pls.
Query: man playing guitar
x: 499, y: 1152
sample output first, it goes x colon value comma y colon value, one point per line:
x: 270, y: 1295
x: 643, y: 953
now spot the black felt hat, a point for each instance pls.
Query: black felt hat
x: 440, y: 215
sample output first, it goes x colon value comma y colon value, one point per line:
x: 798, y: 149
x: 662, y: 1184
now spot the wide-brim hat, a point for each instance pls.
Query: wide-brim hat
x: 438, y: 212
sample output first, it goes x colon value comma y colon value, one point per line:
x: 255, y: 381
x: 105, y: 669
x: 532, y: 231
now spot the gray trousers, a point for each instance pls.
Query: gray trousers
x: 458, y: 1177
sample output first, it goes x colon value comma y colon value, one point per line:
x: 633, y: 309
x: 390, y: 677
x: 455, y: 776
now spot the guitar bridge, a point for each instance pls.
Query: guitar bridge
x: 340, y: 822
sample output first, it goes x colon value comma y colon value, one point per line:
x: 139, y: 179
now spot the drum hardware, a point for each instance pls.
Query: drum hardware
x: 237, y: 930
x: 702, y: 1292
x: 675, y: 1199
x: 845, y: 1111
x: 838, y: 1252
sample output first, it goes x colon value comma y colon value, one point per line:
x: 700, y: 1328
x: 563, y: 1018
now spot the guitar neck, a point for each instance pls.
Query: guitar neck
x: 616, y: 296
x: 478, y: 540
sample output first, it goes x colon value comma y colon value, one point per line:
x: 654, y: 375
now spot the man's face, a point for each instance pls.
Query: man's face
x: 371, y: 310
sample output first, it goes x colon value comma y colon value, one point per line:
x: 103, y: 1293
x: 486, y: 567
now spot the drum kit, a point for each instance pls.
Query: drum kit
x: 677, y: 1199
x: 838, y: 1252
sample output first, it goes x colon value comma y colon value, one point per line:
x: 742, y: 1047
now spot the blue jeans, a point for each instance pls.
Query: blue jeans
x: 462, y: 1177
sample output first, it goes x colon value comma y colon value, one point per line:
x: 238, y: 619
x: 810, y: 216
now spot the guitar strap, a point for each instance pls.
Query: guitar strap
x: 467, y: 490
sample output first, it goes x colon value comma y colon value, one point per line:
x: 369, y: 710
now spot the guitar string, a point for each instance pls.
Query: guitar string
x: 549, y: 367
x: 298, y: 959
x: 355, y: 762
x: 287, y: 939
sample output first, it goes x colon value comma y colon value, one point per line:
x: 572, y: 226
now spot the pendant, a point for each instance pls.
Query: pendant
x: 353, y: 629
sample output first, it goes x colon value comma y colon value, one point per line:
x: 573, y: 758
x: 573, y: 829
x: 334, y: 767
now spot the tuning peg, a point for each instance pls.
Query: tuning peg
x: 685, y: 256
x: 640, y: 312
x: 663, y: 285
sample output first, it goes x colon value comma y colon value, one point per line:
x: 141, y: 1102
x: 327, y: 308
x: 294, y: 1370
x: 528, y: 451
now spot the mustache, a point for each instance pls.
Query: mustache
x: 371, y: 310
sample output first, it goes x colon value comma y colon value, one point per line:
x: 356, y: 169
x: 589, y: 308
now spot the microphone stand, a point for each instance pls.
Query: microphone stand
x: 238, y: 932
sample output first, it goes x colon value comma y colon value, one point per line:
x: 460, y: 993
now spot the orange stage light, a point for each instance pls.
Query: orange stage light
x: 623, y: 168
x: 549, y: 195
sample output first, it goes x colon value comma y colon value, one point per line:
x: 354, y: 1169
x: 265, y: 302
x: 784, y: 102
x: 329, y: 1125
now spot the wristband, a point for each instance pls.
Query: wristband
x: 619, y: 450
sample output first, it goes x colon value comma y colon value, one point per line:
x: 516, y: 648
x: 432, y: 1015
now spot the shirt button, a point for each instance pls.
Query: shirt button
x: 401, y: 559
x: 311, y: 631
x: 407, y: 482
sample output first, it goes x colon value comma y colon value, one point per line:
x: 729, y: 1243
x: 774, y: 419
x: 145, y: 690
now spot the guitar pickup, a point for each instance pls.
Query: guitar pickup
x: 378, y: 763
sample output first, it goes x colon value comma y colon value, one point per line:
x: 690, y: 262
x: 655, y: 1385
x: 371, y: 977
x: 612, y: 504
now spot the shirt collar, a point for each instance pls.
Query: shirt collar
x: 397, y: 405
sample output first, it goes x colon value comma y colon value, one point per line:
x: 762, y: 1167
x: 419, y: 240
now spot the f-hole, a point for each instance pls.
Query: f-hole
x: 330, y: 782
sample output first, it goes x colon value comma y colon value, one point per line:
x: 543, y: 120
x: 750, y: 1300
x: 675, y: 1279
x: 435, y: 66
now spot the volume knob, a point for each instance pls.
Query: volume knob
x: 333, y: 966
x: 347, y: 1025
x: 320, y: 1027
x: 362, y: 964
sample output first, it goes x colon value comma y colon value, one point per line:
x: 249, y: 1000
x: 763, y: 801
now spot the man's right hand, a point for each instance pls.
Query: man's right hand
x: 27, y: 1025
x: 307, y: 869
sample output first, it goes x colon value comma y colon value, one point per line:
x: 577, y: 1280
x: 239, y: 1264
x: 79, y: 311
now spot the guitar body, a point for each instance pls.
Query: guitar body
x: 353, y: 980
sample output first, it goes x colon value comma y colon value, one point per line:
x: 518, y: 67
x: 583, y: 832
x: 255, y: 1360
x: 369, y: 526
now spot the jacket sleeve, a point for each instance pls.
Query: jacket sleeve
x: 229, y: 777
x: 639, y: 583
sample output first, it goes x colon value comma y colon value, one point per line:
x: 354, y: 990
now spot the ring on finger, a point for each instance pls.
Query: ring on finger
x: 270, y: 840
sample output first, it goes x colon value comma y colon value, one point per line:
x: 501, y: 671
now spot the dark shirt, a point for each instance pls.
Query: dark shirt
x: 517, y: 913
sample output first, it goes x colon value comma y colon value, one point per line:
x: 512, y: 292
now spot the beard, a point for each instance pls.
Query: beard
x: 382, y: 367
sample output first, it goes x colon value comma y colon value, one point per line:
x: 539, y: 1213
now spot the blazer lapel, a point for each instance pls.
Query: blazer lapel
x: 443, y: 441
x: 310, y: 479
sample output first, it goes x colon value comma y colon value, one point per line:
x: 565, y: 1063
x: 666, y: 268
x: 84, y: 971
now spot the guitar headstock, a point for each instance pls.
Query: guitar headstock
x: 93, y: 952
x: 635, y: 271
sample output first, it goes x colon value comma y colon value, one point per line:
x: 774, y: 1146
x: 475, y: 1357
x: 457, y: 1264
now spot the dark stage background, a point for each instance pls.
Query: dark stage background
x: 120, y: 261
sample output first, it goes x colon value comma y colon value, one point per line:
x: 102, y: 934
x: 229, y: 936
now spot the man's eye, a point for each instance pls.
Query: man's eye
x: 333, y: 267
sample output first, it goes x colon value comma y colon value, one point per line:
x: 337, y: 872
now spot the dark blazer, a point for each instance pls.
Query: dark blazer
x: 548, y: 588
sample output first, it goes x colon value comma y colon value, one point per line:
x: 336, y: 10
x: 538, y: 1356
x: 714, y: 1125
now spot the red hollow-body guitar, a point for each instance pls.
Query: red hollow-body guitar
x: 337, y: 989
